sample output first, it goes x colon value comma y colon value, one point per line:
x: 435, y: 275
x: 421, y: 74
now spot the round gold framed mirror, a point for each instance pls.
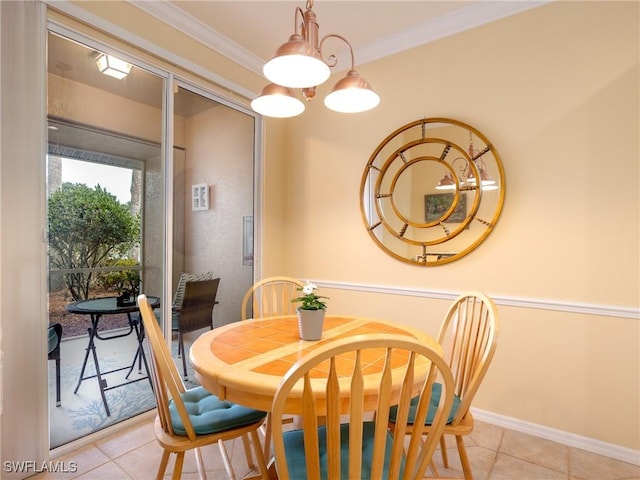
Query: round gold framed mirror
x: 432, y: 191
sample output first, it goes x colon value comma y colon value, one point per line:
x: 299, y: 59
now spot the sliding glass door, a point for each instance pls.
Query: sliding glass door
x: 213, y: 196
x: 106, y: 224
x: 124, y: 219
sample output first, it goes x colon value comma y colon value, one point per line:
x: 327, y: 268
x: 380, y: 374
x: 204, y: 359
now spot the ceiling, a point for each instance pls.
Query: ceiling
x: 249, y: 32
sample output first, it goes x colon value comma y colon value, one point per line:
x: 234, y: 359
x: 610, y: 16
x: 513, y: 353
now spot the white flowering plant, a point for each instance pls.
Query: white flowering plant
x: 310, y: 301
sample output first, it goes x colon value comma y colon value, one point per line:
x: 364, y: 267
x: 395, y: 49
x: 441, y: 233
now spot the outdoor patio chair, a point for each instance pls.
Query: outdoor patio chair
x: 192, y: 307
x: 55, y: 336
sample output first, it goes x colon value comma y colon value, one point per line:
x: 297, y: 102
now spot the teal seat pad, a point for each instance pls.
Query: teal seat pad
x: 53, y: 339
x: 294, y: 451
x: 209, y: 414
x: 436, y: 392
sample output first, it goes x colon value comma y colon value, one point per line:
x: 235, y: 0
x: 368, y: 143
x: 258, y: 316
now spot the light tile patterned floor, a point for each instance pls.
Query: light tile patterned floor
x: 495, y: 453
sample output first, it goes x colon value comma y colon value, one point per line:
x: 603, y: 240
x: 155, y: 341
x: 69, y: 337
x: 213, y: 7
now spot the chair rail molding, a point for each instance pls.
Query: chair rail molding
x: 537, y: 304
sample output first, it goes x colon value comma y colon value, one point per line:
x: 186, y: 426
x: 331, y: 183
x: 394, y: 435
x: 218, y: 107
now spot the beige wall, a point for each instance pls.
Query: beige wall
x: 556, y: 90
x: 560, y: 103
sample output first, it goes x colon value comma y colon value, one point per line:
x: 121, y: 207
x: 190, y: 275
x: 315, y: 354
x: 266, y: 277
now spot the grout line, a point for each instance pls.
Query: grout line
x: 497, y: 452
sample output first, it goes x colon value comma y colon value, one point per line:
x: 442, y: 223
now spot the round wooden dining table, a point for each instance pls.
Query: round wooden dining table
x: 244, y: 362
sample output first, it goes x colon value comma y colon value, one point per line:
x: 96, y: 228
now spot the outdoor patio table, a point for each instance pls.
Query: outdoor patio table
x: 96, y: 308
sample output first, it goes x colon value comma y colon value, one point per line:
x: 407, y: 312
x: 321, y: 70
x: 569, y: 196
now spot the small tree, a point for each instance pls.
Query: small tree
x: 87, y: 229
x: 121, y: 281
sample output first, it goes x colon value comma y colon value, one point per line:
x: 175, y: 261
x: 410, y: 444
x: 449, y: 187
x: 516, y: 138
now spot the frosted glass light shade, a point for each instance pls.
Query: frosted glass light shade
x: 112, y: 66
x: 352, y: 94
x: 277, y: 101
x: 296, y: 71
x: 296, y: 65
x: 446, y: 183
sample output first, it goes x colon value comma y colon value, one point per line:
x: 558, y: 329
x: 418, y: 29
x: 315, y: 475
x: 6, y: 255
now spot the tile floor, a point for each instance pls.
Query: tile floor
x: 495, y: 453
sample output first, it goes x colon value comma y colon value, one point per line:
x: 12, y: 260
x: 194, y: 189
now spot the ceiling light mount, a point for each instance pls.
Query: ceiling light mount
x: 299, y: 63
x: 113, y: 66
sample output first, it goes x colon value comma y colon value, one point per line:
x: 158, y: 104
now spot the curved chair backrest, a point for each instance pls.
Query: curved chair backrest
x: 335, y: 379
x: 269, y: 297
x: 178, y: 297
x: 197, y: 305
x: 167, y: 384
x: 469, y: 336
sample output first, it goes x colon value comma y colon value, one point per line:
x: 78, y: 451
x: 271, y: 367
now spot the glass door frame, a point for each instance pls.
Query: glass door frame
x: 172, y: 78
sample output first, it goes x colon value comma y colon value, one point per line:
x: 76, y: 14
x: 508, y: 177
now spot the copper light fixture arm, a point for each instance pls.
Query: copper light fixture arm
x: 332, y: 60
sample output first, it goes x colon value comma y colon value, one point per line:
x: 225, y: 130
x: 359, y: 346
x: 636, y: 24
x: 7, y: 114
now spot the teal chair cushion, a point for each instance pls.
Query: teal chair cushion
x: 53, y: 339
x: 436, y: 391
x: 209, y: 414
x: 175, y: 321
x: 294, y: 450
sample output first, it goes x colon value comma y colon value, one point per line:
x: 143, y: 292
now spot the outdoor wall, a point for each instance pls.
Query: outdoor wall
x: 561, y: 107
x: 93, y: 106
x: 219, y: 152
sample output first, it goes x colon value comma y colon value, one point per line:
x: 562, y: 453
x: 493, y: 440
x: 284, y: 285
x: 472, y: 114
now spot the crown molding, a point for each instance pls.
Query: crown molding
x: 475, y: 15
x: 176, y: 18
x: 479, y: 13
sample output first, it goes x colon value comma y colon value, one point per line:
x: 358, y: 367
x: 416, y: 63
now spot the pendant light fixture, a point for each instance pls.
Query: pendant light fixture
x: 469, y: 178
x: 299, y: 63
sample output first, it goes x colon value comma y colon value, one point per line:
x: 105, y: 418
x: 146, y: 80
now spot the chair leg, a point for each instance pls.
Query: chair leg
x: 247, y: 451
x: 434, y: 469
x: 262, y: 462
x: 226, y: 461
x: 58, y: 401
x: 184, y: 357
x: 266, y: 426
x: 163, y: 465
x: 443, y: 449
x: 177, y: 468
x: 200, y: 463
x: 464, y: 459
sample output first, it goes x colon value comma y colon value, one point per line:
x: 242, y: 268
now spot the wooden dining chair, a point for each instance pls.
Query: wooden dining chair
x: 269, y: 297
x: 469, y: 336
x: 55, y: 337
x: 190, y: 419
x: 336, y: 379
x: 192, y: 307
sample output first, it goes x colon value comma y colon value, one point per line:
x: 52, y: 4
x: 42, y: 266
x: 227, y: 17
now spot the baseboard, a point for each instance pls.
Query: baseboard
x: 610, y: 450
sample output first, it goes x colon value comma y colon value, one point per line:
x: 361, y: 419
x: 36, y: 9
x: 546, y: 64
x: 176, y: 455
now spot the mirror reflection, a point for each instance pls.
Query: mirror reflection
x: 432, y: 191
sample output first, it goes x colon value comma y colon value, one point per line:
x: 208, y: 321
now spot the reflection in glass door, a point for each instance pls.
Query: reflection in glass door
x: 105, y: 190
x: 213, y: 233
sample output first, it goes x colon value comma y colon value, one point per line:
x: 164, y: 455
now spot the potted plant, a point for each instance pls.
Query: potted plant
x: 310, y: 312
x: 125, y: 282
